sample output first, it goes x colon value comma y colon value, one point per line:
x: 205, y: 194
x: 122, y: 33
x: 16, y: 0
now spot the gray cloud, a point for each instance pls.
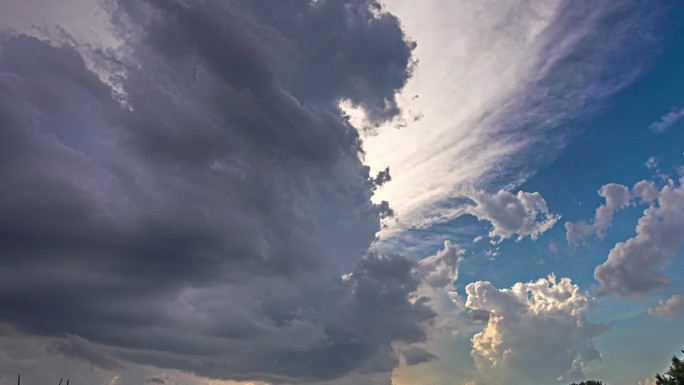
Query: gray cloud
x: 38, y: 362
x: 479, y: 315
x: 522, y: 214
x: 668, y: 307
x: 415, y: 355
x: 441, y: 270
x: 214, y: 210
x: 76, y: 347
x: 382, y: 177
x: 348, y: 69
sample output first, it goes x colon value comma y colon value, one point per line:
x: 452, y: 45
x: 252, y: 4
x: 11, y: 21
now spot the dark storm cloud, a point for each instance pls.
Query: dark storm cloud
x: 80, y: 348
x: 348, y: 49
x: 415, y: 355
x: 479, y: 315
x: 382, y: 178
x: 155, y: 380
x: 205, y: 222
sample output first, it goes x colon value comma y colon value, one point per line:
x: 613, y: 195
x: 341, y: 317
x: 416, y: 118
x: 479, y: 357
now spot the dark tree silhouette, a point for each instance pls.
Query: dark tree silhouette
x: 674, y: 376
x: 589, y: 382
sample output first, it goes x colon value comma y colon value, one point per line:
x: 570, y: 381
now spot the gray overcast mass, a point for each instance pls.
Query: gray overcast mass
x: 205, y: 222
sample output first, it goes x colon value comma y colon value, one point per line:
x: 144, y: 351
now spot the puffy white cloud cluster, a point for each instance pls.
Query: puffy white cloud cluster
x: 652, y: 163
x: 617, y: 197
x: 524, y: 214
x: 646, y: 191
x: 633, y: 267
x: 536, y: 330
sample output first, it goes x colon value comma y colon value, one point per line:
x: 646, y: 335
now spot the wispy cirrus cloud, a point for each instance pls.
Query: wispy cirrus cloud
x: 668, y: 120
x: 494, y: 84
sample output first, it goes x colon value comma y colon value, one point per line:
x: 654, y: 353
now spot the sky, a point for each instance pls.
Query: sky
x: 340, y: 192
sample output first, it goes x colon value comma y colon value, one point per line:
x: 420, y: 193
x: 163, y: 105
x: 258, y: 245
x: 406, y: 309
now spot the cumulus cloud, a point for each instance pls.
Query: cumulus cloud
x: 668, y: 307
x: 536, y: 331
x: 652, y: 163
x: 646, y: 191
x: 523, y: 214
x: 633, y: 267
x: 441, y: 270
x: 617, y: 197
x: 668, y: 120
x: 211, y: 204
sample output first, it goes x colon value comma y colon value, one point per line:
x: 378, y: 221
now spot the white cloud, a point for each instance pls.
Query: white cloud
x: 668, y: 307
x: 668, y: 120
x: 492, y: 253
x: 537, y: 331
x: 646, y: 191
x: 523, y: 214
x: 492, y: 90
x: 617, y: 197
x: 633, y: 267
x: 651, y: 163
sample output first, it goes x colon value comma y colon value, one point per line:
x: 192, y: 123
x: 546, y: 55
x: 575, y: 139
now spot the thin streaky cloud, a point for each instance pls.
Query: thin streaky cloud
x: 668, y: 120
x: 494, y: 81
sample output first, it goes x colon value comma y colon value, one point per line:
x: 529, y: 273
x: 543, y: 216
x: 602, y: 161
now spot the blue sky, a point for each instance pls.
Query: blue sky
x: 607, y: 144
x: 614, y: 148
x: 196, y: 191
